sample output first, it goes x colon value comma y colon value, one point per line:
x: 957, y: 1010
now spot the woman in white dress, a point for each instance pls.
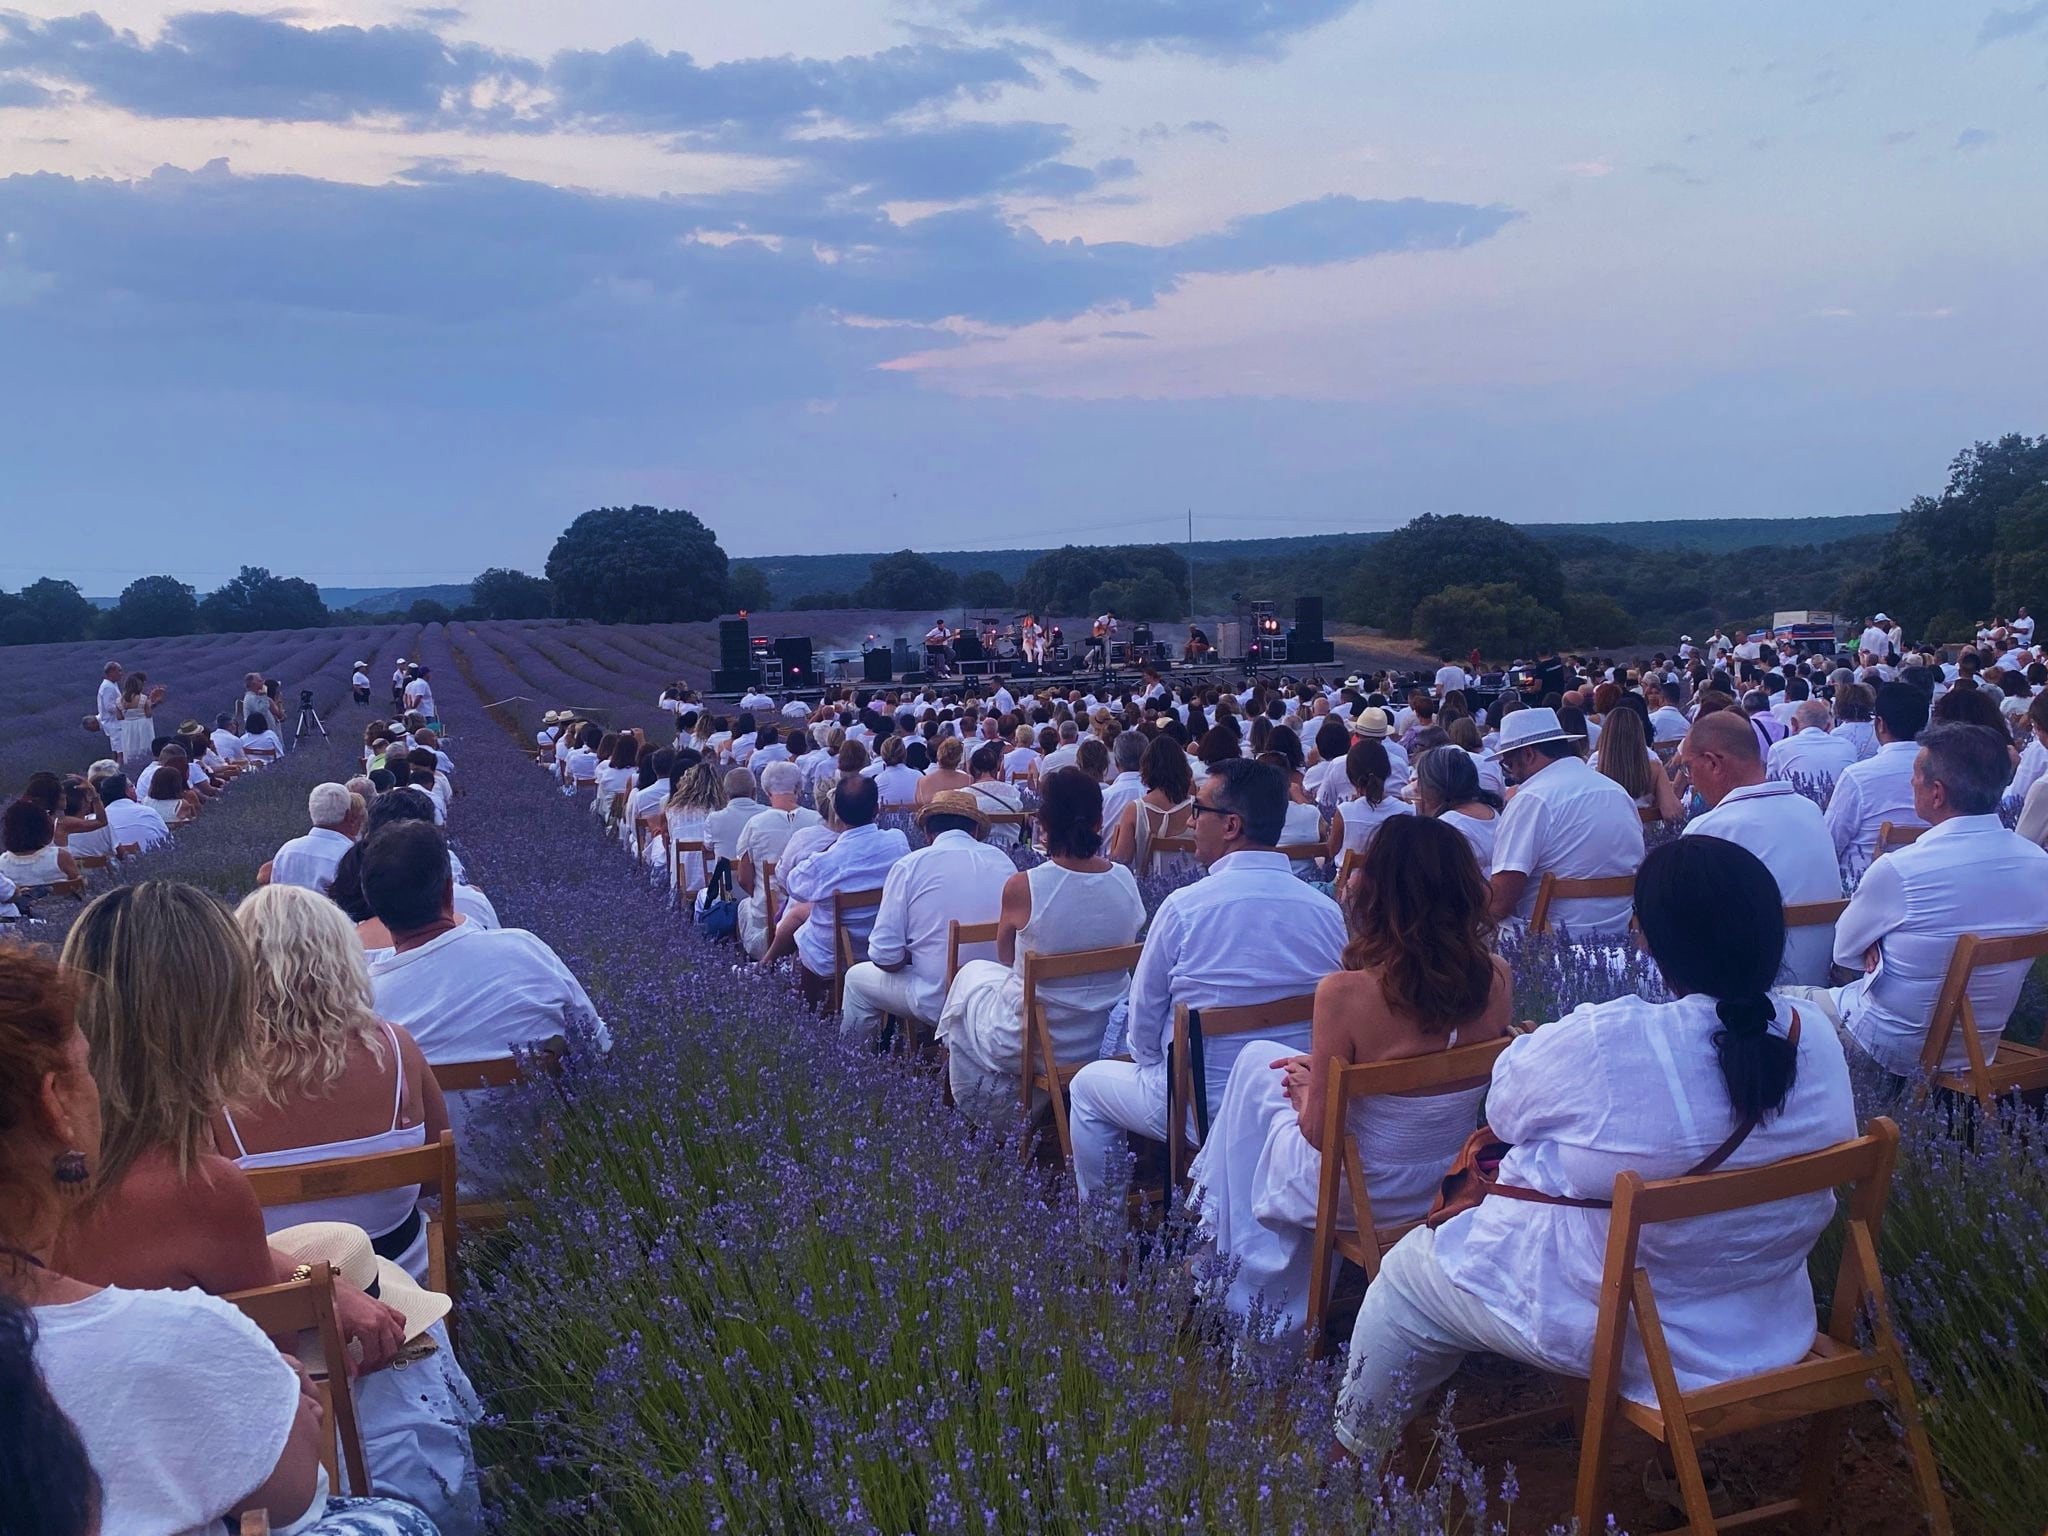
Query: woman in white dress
x: 1419, y: 976
x: 996, y: 793
x: 699, y: 791
x: 1076, y: 900
x: 1355, y: 823
x: 138, y: 729
x: 1164, y: 810
x: 1447, y: 787
x: 31, y: 856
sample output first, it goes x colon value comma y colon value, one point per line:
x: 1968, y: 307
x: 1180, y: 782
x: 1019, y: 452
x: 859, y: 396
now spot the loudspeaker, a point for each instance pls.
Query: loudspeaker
x: 967, y: 647
x: 735, y: 649
x: 1024, y: 669
x: 874, y: 666
x: 899, y: 654
x: 1308, y: 619
x: 793, y: 655
x: 916, y: 677
x: 734, y: 680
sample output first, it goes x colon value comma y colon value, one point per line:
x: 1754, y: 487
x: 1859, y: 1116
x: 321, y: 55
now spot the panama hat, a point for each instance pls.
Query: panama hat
x: 1373, y: 722
x: 955, y: 802
x: 347, y: 1249
x: 1529, y: 728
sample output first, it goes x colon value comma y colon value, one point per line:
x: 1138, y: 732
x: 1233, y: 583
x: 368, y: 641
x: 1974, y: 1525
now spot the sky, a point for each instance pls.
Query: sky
x: 379, y: 294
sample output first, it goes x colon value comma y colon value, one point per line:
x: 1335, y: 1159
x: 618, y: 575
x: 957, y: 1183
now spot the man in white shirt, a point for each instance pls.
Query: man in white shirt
x: 1811, y: 751
x: 1564, y: 820
x: 722, y: 828
x: 1127, y: 752
x: 1450, y: 677
x: 754, y: 699
x: 1666, y: 722
x: 1876, y: 640
x: 858, y: 859
x: 1773, y: 821
x: 762, y: 842
x: 398, y: 677
x: 359, y: 682
x: 419, y: 693
x: 2022, y: 626
x: 1966, y: 874
x: 1880, y: 787
x: 955, y: 878
x: 110, y: 704
x: 1064, y: 754
x: 130, y: 823
x: 1248, y: 933
x: 310, y: 861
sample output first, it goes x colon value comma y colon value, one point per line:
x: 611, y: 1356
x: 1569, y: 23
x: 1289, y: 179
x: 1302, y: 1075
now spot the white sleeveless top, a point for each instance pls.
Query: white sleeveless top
x: 1480, y: 834
x: 1152, y: 822
x: 38, y: 868
x: 378, y: 1213
x: 1362, y: 819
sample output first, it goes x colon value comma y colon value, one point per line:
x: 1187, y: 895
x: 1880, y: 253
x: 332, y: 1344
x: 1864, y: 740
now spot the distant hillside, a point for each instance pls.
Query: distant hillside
x: 393, y: 599
x: 794, y: 576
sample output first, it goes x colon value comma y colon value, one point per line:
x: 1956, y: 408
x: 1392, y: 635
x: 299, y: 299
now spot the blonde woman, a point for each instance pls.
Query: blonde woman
x: 1624, y: 756
x: 699, y: 791
x: 946, y: 772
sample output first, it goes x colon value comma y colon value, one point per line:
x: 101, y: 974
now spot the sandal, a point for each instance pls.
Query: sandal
x: 1662, y: 1486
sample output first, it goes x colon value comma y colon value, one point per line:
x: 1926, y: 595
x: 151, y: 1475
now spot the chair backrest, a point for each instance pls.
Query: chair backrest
x: 679, y: 851
x: 1554, y: 888
x: 1649, y: 815
x: 1354, y: 861
x: 1160, y: 847
x: 1814, y: 914
x: 290, y: 1308
x: 958, y: 935
x: 255, y: 1522
x: 1041, y: 1060
x: 1187, y: 1087
x: 93, y: 860
x: 1315, y: 852
x: 127, y: 850
x: 619, y: 803
x: 336, y: 1178
x: 1009, y: 818
x: 766, y: 877
x: 499, y: 1071
x: 1892, y: 835
x: 1953, y: 1009
x: 72, y: 888
x: 844, y: 959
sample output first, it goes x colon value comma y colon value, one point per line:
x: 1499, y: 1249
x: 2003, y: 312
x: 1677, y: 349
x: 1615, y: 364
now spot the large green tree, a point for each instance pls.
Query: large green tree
x: 638, y: 565
x: 499, y: 593
x: 984, y: 589
x: 2019, y: 563
x: 1498, y: 619
x: 746, y: 589
x: 907, y: 580
x: 1434, y: 552
x: 152, y: 605
x: 255, y: 599
x: 1061, y: 581
x: 43, y: 611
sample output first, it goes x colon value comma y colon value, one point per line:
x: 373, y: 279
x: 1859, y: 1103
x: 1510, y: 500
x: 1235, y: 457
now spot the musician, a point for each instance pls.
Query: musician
x: 1034, y: 640
x: 1198, y: 648
x: 1099, y: 638
x: 938, y: 649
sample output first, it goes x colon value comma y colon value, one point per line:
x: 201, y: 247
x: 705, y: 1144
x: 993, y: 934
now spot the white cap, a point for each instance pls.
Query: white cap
x: 1882, y: 618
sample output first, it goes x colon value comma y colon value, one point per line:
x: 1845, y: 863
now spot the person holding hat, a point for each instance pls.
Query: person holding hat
x: 956, y: 877
x: 1564, y: 819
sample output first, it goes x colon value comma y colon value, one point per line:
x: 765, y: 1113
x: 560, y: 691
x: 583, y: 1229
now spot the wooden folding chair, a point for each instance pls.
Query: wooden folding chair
x: 1342, y: 1179
x: 294, y: 1307
x: 1836, y: 1374
x: 1814, y: 914
x: 1163, y: 846
x: 1187, y: 1085
x: 843, y: 957
x: 1043, y: 1070
x: 679, y: 850
x: 261, y: 754
x: 1554, y: 888
x: 1010, y: 818
x: 127, y: 850
x: 2012, y: 1068
x: 1314, y: 852
x: 1649, y: 815
x: 93, y: 860
x: 255, y: 1522
x: 618, y: 810
x: 1353, y: 862
x: 75, y: 889
x: 764, y: 878
x: 958, y: 936
x: 336, y: 1178
x: 1892, y: 835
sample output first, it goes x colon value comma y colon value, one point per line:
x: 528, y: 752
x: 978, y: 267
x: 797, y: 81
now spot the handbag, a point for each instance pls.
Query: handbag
x: 718, y: 913
x: 1475, y: 1172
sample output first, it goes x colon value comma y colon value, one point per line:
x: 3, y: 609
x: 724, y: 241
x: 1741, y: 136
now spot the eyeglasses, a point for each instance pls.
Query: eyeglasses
x: 1197, y: 810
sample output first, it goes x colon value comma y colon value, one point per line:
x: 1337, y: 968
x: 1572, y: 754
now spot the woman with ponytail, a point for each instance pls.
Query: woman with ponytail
x: 1725, y: 1075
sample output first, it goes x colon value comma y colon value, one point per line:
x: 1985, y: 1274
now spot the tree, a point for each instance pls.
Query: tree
x: 1433, y: 552
x: 426, y: 611
x: 152, y: 605
x: 502, y: 594
x: 2019, y: 563
x: 1062, y: 581
x: 46, y: 610
x: 1149, y: 597
x: 984, y: 589
x: 638, y: 565
x: 812, y: 601
x: 1496, y: 619
x: 255, y: 599
x: 907, y: 580
x: 1598, y: 621
x: 746, y: 589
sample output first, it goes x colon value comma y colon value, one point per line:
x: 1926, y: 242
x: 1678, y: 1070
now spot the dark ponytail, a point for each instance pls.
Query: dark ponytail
x: 1714, y: 920
x: 50, y: 1483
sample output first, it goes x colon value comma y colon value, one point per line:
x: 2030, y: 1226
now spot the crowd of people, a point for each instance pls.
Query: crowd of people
x: 1345, y: 856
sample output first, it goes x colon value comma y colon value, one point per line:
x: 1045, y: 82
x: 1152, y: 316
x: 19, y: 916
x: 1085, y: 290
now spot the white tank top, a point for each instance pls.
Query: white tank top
x: 1072, y: 911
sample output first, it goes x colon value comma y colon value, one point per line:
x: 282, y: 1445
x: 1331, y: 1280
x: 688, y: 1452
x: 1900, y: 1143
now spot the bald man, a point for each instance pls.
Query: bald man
x: 1811, y: 752
x: 1773, y: 821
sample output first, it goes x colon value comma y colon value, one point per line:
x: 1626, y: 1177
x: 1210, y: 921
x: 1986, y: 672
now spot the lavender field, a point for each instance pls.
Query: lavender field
x: 769, y: 1283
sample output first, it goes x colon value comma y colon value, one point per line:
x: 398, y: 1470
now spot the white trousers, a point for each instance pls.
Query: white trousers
x: 1414, y: 1328
x: 872, y: 992
x: 1110, y: 1098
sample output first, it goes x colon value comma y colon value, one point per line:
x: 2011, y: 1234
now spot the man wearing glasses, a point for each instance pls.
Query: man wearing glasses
x: 1248, y: 933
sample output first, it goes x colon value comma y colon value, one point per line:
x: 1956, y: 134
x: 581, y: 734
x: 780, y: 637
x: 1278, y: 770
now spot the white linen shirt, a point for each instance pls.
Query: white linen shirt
x: 955, y: 878
x: 1667, y: 724
x: 1249, y: 932
x: 1631, y: 1084
x: 1785, y: 830
x: 723, y: 827
x: 2033, y: 763
x: 1577, y: 824
x: 1810, y: 753
x: 1967, y: 875
x: 310, y: 860
x: 1118, y: 793
x: 1869, y: 793
x: 858, y: 859
x: 109, y: 704
x: 475, y: 993
x: 133, y: 823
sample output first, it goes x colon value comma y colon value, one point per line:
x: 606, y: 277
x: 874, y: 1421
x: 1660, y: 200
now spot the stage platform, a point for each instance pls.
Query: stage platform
x: 1234, y: 674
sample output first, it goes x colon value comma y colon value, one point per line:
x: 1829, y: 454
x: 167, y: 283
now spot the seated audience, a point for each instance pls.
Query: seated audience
x: 998, y: 796
x: 1879, y: 788
x: 1371, y: 806
x: 723, y: 827
x: 1624, y: 756
x: 858, y: 858
x: 1914, y: 903
x: 946, y: 772
x: 258, y: 739
x: 1248, y: 933
x: 1564, y: 819
x: 1454, y: 792
x: 1077, y: 899
x: 1812, y: 751
x: 1419, y: 977
x: 1164, y: 810
x: 699, y: 793
x: 955, y: 877
x: 1653, y: 1088
x: 167, y: 791
x: 1773, y: 821
x: 761, y: 843
x: 310, y: 860
x: 1127, y: 755
x: 28, y: 835
x: 131, y: 824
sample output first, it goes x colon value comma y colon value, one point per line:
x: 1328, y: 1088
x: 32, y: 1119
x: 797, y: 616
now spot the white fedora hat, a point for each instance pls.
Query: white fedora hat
x: 1529, y: 728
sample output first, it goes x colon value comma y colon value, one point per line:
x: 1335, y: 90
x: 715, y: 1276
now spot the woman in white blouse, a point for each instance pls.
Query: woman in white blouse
x: 1352, y: 826
x: 1656, y: 1088
x: 1447, y: 787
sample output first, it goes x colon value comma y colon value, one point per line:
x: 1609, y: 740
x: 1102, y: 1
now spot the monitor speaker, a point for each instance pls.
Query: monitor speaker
x: 735, y: 648
x: 899, y: 654
x: 1308, y: 619
x: 874, y: 666
x: 734, y: 680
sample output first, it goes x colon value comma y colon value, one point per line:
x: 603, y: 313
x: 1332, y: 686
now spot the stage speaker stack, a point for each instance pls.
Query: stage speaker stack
x: 967, y: 647
x: 874, y: 666
x: 736, y: 672
x: 1305, y: 643
x: 793, y: 662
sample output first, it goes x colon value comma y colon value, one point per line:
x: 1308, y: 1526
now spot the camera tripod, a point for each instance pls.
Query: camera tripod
x: 308, y: 716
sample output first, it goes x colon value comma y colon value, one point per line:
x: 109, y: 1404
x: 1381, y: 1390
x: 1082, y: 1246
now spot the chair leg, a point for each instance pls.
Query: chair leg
x: 1597, y: 1424
x: 1817, y: 1475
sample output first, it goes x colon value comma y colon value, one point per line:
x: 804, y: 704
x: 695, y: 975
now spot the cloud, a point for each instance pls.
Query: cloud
x: 1974, y: 138
x: 1204, y: 128
x: 1124, y: 335
x: 2002, y: 24
x: 1220, y: 28
x: 1335, y: 228
x: 23, y: 93
x: 1671, y: 170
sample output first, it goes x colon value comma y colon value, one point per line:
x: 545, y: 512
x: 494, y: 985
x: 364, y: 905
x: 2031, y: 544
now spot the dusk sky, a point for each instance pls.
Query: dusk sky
x: 376, y: 294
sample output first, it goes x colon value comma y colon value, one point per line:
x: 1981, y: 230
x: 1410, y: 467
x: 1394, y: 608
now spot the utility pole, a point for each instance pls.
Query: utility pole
x: 1191, y: 565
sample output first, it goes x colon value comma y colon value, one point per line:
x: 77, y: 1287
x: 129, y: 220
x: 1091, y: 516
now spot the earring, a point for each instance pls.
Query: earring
x: 69, y: 1171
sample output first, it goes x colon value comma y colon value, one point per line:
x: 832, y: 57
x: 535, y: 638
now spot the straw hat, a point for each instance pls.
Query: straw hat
x: 1530, y: 728
x: 347, y: 1248
x: 955, y: 802
x: 550, y: 718
x: 1372, y: 721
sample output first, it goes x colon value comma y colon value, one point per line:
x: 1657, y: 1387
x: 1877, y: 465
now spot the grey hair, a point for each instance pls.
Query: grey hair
x: 328, y: 805
x: 1450, y: 777
x: 1970, y: 762
x: 1813, y: 712
x: 782, y: 778
x: 739, y: 782
x: 1130, y: 750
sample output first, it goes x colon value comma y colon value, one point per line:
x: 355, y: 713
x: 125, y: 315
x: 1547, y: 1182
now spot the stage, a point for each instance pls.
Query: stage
x: 1115, y: 679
